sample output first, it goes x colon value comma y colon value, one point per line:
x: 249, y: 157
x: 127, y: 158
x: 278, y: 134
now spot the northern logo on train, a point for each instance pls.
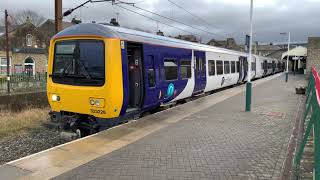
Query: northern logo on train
x: 170, y: 90
x: 222, y: 81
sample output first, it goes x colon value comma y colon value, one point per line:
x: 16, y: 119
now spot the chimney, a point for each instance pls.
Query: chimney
x: 114, y: 22
x: 160, y: 33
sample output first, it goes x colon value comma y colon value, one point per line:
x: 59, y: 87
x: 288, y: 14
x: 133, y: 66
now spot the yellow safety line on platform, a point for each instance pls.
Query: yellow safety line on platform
x: 60, y: 159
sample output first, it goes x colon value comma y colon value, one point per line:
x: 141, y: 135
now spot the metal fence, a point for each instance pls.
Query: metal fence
x: 312, y: 121
x: 24, y: 82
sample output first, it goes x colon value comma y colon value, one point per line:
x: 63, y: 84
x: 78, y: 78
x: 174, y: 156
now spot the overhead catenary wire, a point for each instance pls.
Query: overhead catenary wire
x: 196, y: 16
x: 208, y: 32
x: 157, y: 20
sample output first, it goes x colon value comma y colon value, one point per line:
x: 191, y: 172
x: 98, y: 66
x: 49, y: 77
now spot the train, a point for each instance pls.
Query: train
x: 101, y: 75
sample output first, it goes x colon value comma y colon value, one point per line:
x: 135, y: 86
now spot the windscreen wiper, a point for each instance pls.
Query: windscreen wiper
x: 77, y: 58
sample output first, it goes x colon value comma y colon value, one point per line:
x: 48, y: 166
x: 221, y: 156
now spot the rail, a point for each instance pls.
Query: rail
x: 312, y: 120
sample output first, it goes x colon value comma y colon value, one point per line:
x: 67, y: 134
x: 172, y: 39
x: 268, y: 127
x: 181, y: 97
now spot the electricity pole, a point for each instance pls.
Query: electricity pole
x: 58, y: 15
x: 7, y: 51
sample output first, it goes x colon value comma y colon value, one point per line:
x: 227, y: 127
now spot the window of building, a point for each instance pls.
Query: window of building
x: 233, y: 67
x: 29, y: 66
x: 226, y: 67
x: 219, y: 67
x: 211, y: 67
x: 238, y: 66
x: 3, y: 65
x: 29, y: 40
x: 171, y: 69
x: 17, y: 68
x: 185, y: 69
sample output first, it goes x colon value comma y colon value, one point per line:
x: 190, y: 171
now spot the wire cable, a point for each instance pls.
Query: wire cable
x: 156, y: 20
x: 198, y: 17
x: 177, y: 21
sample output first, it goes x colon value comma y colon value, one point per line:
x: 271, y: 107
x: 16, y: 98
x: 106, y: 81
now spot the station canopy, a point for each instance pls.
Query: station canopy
x: 297, y: 51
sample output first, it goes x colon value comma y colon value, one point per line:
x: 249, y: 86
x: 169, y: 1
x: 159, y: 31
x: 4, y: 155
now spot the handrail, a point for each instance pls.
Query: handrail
x: 312, y: 119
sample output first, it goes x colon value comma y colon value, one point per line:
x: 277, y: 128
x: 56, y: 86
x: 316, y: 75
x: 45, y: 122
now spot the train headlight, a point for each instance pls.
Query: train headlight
x: 55, y: 97
x: 92, y: 102
x: 97, y: 102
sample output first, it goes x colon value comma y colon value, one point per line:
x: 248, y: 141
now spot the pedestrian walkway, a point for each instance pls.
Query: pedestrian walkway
x: 209, y: 138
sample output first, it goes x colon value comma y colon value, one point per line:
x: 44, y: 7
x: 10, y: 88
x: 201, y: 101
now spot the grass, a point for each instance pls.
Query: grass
x: 18, y: 122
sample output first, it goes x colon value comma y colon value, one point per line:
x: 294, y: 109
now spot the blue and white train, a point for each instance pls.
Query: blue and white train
x: 99, y: 74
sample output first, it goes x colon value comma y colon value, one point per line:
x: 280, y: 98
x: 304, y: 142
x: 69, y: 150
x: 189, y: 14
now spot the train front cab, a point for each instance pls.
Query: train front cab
x: 84, y: 81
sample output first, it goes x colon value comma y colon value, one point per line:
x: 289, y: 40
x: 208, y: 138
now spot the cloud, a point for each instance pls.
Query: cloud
x: 226, y: 18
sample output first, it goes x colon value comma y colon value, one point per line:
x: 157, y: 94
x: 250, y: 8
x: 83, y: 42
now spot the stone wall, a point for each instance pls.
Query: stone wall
x: 313, y: 56
x: 18, y: 102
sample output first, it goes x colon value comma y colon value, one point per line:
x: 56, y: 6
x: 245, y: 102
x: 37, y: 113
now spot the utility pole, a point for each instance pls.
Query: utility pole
x: 249, y: 85
x: 58, y: 15
x: 7, y: 51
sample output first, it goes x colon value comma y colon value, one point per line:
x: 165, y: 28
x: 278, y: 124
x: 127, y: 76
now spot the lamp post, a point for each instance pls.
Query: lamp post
x: 287, y: 71
x: 249, y: 85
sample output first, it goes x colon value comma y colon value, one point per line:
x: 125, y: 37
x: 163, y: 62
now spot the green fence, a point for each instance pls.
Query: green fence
x: 24, y: 83
x: 312, y: 121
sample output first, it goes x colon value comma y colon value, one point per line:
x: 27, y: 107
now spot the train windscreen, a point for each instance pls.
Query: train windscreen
x: 79, y: 62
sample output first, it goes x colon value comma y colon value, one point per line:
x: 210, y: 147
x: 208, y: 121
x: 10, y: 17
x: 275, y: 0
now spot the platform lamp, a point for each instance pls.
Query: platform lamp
x: 287, y: 71
x: 249, y: 85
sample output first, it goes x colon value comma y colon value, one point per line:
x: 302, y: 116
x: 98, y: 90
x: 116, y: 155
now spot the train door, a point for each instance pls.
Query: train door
x: 243, y: 68
x: 134, y: 55
x: 152, y: 93
x: 265, y: 67
x: 200, y: 71
x: 273, y: 67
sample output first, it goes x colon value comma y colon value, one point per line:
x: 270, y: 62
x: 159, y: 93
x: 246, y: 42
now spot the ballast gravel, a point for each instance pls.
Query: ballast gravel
x: 27, y: 143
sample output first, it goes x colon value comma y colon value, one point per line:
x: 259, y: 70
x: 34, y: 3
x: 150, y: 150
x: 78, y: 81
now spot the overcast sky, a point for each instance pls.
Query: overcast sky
x: 222, y: 18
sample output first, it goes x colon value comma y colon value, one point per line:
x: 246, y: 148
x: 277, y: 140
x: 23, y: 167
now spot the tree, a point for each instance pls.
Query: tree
x: 22, y: 16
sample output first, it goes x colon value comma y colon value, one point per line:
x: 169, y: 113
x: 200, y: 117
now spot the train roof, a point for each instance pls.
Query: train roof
x: 109, y: 31
x: 137, y: 36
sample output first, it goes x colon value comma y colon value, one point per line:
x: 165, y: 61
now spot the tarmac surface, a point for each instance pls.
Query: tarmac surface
x: 209, y: 138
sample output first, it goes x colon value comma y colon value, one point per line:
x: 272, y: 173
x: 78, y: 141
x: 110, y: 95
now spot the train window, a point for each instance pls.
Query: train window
x: 151, y: 78
x: 219, y: 67
x: 233, y: 67
x: 171, y: 69
x: 185, y: 69
x: 211, y: 67
x: 151, y: 72
x: 226, y: 67
x: 199, y: 64
x: 79, y: 62
x: 253, y: 66
x: 238, y: 66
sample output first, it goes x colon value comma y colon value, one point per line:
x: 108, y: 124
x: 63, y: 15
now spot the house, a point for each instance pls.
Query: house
x: 229, y: 43
x: 28, y: 47
x: 191, y: 38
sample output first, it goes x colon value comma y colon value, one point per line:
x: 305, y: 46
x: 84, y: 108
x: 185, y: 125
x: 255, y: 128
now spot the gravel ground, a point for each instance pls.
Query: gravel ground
x: 27, y: 143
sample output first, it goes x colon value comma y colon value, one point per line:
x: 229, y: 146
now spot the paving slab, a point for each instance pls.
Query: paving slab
x: 220, y: 141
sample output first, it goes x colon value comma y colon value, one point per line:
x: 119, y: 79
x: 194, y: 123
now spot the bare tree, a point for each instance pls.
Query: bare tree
x: 21, y: 17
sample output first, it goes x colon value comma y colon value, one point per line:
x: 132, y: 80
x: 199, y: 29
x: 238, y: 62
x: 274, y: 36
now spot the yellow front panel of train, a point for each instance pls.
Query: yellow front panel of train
x: 104, y: 101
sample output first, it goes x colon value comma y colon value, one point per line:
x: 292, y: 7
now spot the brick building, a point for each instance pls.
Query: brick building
x: 313, y: 56
x: 28, y: 47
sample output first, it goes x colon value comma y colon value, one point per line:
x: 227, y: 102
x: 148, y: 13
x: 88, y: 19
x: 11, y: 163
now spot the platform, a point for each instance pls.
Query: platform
x: 209, y: 138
